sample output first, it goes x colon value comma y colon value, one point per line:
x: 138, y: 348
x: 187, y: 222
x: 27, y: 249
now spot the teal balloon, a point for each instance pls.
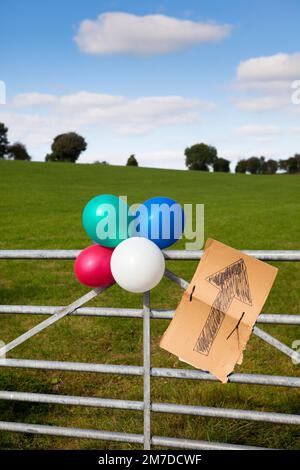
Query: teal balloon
x: 106, y: 220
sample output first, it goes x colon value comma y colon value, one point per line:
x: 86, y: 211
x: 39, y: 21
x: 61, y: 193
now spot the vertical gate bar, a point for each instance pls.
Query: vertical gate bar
x: 147, y: 370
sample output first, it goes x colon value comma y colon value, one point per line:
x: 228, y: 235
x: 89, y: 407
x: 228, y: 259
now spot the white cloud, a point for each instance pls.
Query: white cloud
x: 264, y: 86
x: 84, y: 111
x: 275, y: 68
x: 257, y: 130
x: 262, y: 103
x: 85, y: 99
x: 34, y: 130
x: 125, y: 33
x: 33, y: 99
x: 267, y: 80
x: 92, y: 108
x: 134, y: 130
x: 82, y: 99
x: 269, y: 74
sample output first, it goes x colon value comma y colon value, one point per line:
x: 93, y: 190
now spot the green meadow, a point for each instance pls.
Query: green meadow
x: 41, y: 207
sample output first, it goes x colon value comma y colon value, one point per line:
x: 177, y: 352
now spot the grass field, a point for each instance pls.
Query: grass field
x: 41, y: 207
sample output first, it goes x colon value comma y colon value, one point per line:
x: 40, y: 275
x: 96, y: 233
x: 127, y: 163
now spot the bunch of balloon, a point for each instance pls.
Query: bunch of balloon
x: 127, y: 247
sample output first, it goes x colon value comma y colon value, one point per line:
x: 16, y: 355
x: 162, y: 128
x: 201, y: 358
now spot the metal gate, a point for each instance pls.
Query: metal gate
x: 147, y: 406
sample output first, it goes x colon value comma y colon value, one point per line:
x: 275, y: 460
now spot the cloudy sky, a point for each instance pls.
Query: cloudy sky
x: 152, y: 78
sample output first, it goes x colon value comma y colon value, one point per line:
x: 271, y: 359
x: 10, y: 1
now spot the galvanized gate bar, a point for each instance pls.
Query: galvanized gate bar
x: 147, y: 369
x: 119, y: 437
x: 39, y: 254
x: 277, y: 344
x: 269, y: 339
x: 72, y: 400
x: 266, y: 255
x: 84, y: 311
x: 72, y: 366
x: 49, y: 321
x: 178, y: 280
x: 205, y: 411
x: 228, y: 413
x: 199, y: 445
x: 146, y: 372
x: 71, y: 432
x: 249, y: 379
x: 278, y: 319
x: 192, y: 374
x: 268, y: 318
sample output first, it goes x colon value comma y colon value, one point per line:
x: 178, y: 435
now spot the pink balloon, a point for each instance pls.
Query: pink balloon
x: 92, y: 266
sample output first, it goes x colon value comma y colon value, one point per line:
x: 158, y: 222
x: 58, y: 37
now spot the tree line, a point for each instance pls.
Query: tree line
x: 67, y: 147
x: 204, y: 157
x: 16, y: 151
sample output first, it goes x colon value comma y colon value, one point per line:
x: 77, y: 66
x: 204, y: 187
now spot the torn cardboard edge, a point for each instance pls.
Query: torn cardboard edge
x: 215, y: 317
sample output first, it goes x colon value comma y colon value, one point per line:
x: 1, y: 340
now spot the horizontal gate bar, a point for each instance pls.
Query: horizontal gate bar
x: 39, y: 254
x: 118, y: 436
x: 200, y: 445
x: 229, y: 413
x: 254, y: 379
x: 269, y: 318
x: 210, y: 412
x: 72, y: 400
x: 72, y: 366
x: 71, y: 432
x: 266, y: 255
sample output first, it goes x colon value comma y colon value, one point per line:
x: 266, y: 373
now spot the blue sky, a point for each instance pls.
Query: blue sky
x: 152, y: 78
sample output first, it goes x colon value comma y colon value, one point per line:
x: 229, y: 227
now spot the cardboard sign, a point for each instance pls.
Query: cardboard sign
x: 216, y: 315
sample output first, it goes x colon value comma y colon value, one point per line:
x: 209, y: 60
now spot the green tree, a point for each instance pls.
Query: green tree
x: 241, y: 166
x: 18, y: 151
x: 269, y: 167
x: 103, y: 162
x: 253, y: 165
x: 200, y: 157
x: 282, y: 164
x: 66, y: 148
x: 297, y: 158
x: 3, y: 140
x: 221, y: 164
x: 262, y: 162
x: 291, y: 165
x: 132, y: 161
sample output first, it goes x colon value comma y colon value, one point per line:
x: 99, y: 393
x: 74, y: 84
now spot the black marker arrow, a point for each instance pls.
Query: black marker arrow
x: 231, y: 281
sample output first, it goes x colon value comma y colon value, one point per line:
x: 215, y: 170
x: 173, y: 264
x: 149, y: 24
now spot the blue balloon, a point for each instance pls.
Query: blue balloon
x: 161, y: 220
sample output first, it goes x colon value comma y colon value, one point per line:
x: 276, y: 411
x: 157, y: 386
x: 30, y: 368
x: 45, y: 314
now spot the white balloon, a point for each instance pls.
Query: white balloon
x: 137, y: 264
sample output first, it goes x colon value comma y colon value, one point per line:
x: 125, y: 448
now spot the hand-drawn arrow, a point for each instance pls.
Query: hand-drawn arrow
x: 231, y: 281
